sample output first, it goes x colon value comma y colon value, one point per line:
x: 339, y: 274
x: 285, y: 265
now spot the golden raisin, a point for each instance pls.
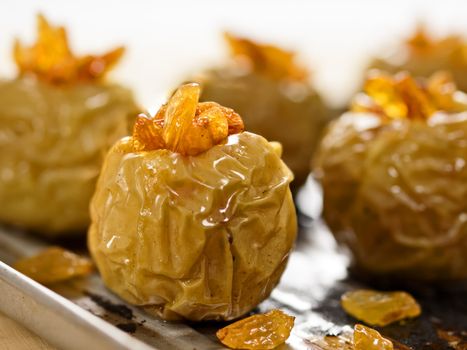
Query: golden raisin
x: 401, y: 96
x: 265, y: 331
x: 234, y: 120
x: 421, y: 43
x: 181, y: 110
x: 54, y: 265
x: 147, y: 133
x: 382, y: 90
x: 267, y: 59
x: 420, y: 40
x: 379, y: 308
x: 366, y: 338
x: 51, y: 59
x: 93, y: 67
x: 185, y: 126
x: 419, y: 105
x: 208, y: 129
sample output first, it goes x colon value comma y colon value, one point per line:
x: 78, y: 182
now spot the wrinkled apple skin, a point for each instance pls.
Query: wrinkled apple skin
x: 52, y: 143
x: 194, y: 237
x: 395, y: 193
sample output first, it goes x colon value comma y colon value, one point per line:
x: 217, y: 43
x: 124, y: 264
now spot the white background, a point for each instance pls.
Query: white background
x: 168, y: 40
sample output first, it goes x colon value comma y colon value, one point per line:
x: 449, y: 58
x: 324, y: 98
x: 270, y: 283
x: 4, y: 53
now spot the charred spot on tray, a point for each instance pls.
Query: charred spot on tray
x: 127, y: 327
x: 456, y: 340
x: 118, y: 309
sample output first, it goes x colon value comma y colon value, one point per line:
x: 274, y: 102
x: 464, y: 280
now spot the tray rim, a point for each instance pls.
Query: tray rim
x: 64, y: 320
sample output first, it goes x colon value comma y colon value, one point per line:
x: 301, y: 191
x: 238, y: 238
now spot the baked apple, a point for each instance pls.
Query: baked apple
x: 57, y: 120
x: 192, y: 217
x: 394, y: 176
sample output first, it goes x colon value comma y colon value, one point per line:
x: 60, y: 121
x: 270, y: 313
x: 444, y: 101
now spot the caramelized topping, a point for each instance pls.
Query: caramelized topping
x: 366, y: 338
x: 51, y: 59
x: 54, y: 265
x: 420, y: 40
x: 401, y: 96
x: 265, y: 331
x: 379, y: 308
x: 267, y: 59
x: 421, y: 43
x: 186, y: 126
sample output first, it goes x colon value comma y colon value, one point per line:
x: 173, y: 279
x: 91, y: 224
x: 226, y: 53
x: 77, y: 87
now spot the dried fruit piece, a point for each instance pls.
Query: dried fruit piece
x: 54, y: 265
x: 420, y: 40
x: 208, y: 129
x: 381, y: 88
x: 267, y: 59
x: 185, y: 126
x: 369, y: 339
x: 93, y: 67
x: 379, y: 308
x: 401, y: 96
x: 265, y: 331
x: 421, y: 43
x: 234, y: 120
x: 147, y: 133
x: 51, y: 59
x: 418, y: 102
x: 181, y: 110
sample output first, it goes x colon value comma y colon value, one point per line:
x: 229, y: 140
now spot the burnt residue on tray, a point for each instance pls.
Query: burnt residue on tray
x: 457, y: 340
x: 127, y: 327
x: 118, y: 309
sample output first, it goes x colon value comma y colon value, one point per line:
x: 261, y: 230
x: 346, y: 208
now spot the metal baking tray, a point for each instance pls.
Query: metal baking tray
x: 84, y: 314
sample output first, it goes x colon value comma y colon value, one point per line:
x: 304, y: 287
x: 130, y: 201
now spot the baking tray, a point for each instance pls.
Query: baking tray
x: 84, y: 314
